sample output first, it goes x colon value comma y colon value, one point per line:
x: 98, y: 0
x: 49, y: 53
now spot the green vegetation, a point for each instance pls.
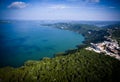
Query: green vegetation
x: 114, y: 31
x: 78, y: 65
x: 82, y: 66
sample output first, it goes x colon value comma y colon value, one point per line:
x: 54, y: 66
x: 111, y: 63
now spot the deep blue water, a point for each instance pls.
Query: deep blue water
x: 23, y: 40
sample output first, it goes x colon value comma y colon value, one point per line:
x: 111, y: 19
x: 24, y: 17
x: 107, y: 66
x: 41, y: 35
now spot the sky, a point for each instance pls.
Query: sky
x: 101, y: 10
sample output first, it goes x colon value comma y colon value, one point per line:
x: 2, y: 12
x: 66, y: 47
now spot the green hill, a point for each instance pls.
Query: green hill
x: 114, y: 31
x: 82, y: 66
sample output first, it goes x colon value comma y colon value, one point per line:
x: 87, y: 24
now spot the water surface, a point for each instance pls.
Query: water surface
x: 27, y: 40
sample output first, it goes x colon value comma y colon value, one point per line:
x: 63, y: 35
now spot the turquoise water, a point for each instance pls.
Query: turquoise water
x: 23, y: 40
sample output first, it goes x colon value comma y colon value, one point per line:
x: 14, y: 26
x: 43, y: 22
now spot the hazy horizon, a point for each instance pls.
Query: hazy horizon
x: 84, y: 10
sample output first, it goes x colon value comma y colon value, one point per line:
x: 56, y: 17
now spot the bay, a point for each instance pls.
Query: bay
x: 29, y: 40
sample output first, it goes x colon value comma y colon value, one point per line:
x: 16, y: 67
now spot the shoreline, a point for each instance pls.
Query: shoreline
x: 70, y: 50
x: 84, y: 44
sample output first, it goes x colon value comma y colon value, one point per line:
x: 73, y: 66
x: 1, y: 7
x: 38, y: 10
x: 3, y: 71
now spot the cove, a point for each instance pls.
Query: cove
x: 29, y: 40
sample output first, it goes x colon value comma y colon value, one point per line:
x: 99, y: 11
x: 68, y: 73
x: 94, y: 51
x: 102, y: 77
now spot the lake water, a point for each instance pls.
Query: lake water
x: 24, y: 40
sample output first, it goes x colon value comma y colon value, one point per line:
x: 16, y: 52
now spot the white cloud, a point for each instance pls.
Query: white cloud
x: 58, y: 7
x: 18, y: 5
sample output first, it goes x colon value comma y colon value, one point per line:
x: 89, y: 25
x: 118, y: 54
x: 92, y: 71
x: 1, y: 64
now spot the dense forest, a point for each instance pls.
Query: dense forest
x: 82, y: 66
x: 77, y: 65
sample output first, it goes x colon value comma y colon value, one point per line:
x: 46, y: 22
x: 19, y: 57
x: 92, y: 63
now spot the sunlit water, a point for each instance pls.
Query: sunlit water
x: 21, y: 41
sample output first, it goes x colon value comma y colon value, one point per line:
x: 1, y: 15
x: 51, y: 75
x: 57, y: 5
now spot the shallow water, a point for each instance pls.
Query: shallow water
x: 24, y: 40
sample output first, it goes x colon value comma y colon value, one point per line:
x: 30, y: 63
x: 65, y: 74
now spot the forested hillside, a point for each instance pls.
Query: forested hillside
x: 82, y: 66
x: 114, y: 31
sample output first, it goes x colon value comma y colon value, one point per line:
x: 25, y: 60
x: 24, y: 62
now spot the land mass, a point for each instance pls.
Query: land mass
x: 79, y: 65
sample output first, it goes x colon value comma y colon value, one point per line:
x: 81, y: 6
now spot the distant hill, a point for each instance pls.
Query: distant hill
x: 114, y: 30
x: 91, y: 33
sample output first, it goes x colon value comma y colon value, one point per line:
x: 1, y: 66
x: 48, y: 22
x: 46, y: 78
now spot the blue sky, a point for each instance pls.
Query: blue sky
x: 60, y: 9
